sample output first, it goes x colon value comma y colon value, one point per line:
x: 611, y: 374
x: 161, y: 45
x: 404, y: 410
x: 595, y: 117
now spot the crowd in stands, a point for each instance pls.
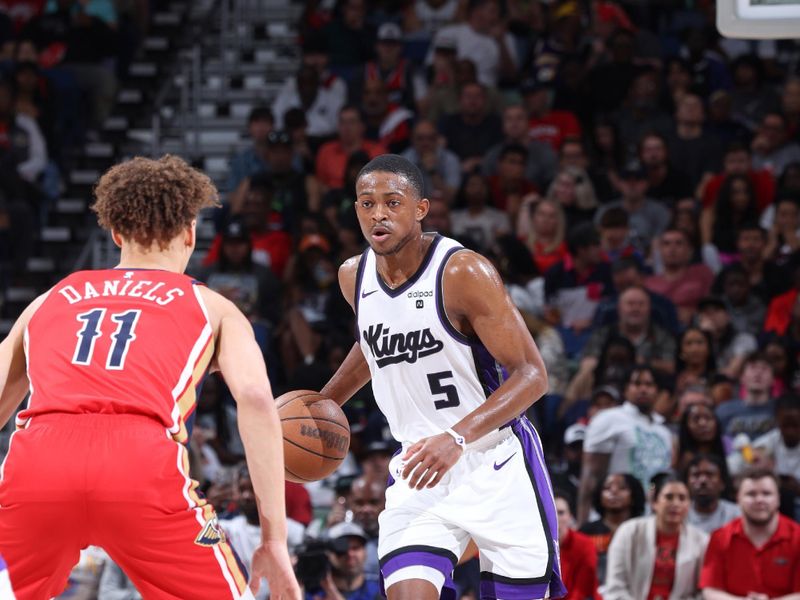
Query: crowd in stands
x: 635, y: 179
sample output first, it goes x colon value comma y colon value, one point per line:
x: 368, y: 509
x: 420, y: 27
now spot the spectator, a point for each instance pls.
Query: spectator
x: 577, y: 553
x: 320, y: 102
x: 610, y: 80
x: 541, y: 163
x: 751, y: 99
x: 694, y: 359
x: 346, y: 578
x: 664, y: 182
x: 746, y: 309
x: 390, y: 68
x: 753, y: 413
x: 783, y: 443
x: 627, y: 439
x: 738, y: 161
x: 647, y: 218
x: 790, y: 103
x: 574, y: 286
x: 509, y: 186
x: 758, y: 554
x: 615, y: 236
x: 483, y: 40
x: 772, y: 148
x: 332, y: 156
x: 658, y: 556
x: 547, y: 125
x: 542, y: 225
x: 473, y: 129
x: 685, y: 284
x: 573, y: 190
x: 338, y: 205
x: 270, y: 248
x: 707, y: 478
x: 252, y: 160
x: 386, y: 123
x: 735, y: 207
x: 430, y: 16
x: 478, y: 220
x: 730, y: 348
x: 441, y: 170
x: 700, y: 432
x: 349, y: 38
x: 616, y: 499
x: 782, y: 221
x: 566, y: 475
x: 438, y: 218
x: 640, y: 114
x: 694, y: 152
x: 779, y: 352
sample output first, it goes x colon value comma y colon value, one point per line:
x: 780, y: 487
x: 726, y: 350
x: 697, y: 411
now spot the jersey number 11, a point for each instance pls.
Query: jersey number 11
x: 122, y: 337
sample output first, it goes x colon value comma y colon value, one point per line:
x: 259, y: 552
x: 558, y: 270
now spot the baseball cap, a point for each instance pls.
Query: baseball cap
x: 380, y: 446
x: 574, y: 433
x: 235, y: 230
x: 346, y: 529
x: 711, y: 301
x: 279, y: 138
x: 314, y: 240
x: 445, y: 42
x: 633, y: 169
x: 608, y: 390
x: 390, y: 32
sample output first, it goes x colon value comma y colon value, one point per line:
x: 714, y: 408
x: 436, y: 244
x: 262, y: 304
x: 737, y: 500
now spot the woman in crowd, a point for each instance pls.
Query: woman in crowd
x: 542, y: 226
x: 618, y: 498
x: 735, y: 206
x: 573, y: 190
x: 658, y: 556
x: 694, y: 360
x: 699, y: 433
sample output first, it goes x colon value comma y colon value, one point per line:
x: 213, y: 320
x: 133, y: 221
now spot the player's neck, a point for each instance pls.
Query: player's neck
x: 395, y: 269
x: 166, y: 260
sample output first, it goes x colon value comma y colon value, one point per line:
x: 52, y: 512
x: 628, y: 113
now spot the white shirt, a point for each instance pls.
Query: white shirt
x: 638, y: 444
x: 479, y: 48
x: 323, y: 115
x: 725, y: 513
x: 482, y: 227
x: 787, y: 460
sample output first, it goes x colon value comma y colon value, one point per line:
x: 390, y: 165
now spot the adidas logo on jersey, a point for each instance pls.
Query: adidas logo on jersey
x: 392, y: 348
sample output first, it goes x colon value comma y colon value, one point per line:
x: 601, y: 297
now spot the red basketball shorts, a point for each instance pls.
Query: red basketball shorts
x: 115, y: 481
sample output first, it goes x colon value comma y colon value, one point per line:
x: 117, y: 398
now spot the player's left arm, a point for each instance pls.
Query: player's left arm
x: 477, y: 304
x: 13, y: 368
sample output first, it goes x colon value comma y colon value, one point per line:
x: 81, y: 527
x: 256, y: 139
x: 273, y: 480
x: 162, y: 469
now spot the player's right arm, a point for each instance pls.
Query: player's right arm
x: 353, y: 374
x: 13, y: 367
x: 239, y: 359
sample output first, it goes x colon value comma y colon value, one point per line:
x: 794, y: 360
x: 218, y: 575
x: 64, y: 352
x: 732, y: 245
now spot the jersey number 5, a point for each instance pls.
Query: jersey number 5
x: 122, y: 337
x: 449, y: 390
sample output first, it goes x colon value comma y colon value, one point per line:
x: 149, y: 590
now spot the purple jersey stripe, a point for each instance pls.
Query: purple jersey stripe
x: 510, y: 591
x: 414, y: 558
x: 490, y: 373
x: 534, y: 457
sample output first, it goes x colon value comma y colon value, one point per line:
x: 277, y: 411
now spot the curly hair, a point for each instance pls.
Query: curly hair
x: 149, y: 201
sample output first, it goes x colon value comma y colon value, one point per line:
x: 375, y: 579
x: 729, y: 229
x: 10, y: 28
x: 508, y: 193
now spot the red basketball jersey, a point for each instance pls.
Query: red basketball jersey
x: 119, y: 341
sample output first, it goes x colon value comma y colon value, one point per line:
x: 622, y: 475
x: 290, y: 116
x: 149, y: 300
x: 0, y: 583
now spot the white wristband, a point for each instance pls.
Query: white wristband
x: 458, y: 438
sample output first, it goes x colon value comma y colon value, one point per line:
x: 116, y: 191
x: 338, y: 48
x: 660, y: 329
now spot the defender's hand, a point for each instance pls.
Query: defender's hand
x: 429, y: 459
x: 271, y: 560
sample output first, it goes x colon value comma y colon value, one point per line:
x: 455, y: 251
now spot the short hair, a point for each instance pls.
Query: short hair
x: 756, y: 356
x: 148, y: 200
x: 787, y: 402
x: 735, y: 147
x: 261, y: 113
x: 624, y: 263
x: 582, y: 235
x: 751, y: 226
x: 396, y: 164
x: 754, y: 474
x: 514, y: 148
x: 615, y: 216
x: 641, y: 367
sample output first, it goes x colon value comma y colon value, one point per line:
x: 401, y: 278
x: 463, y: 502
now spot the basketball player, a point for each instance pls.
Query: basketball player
x: 453, y: 368
x: 112, y: 360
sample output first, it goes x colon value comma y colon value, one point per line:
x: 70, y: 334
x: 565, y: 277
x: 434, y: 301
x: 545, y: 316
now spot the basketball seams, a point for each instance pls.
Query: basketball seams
x: 304, y: 449
x: 322, y: 419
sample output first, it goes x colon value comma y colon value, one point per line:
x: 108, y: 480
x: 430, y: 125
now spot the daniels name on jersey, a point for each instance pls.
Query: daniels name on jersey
x: 426, y: 375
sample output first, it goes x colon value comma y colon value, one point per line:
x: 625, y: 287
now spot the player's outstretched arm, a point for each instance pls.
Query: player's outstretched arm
x: 13, y: 373
x: 477, y: 304
x: 353, y: 374
x: 239, y: 359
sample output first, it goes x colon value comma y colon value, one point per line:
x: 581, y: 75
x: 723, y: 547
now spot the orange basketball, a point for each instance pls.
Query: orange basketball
x: 316, y: 435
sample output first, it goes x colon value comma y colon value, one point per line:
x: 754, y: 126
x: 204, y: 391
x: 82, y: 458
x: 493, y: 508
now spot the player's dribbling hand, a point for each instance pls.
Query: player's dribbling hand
x: 429, y: 459
x: 271, y: 560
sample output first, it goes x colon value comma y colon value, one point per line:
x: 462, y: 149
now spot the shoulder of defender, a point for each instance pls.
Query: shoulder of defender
x: 469, y: 266
x: 349, y: 267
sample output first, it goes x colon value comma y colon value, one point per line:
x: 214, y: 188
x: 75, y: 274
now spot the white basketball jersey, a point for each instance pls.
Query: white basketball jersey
x: 426, y: 375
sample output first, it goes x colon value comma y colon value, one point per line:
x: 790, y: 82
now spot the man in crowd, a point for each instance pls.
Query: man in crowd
x: 754, y: 413
x: 709, y: 510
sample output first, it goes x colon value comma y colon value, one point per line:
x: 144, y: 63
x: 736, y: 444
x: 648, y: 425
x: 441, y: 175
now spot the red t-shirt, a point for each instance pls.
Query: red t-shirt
x: 544, y: 260
x: 664, y: 567
x: 298, y: 503
x: 554, y: 127
x: 500, y: 196
x: 332, y: 161
x: 579, y: 566
x: 271, y: 249
x: 733, y: 565
x: 763, y: 184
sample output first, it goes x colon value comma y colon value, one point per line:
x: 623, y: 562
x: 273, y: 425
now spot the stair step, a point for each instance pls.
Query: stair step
x: 41, y: 264
x: 21, y: 294
x: 56, y: 234
x: 99, y: 150
x: 83, y: 176
x: 156, y: 42
x: 143, y: 69
x: 130, y: 96
x: 5, y: 326
x: 115, y: 124
x: 71, y: 206
x: 166, y: 19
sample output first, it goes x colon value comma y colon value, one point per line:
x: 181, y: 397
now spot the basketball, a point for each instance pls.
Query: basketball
x: 316, y: 435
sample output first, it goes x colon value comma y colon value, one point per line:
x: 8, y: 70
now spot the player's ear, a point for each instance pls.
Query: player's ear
x: 190, y: 234
x: 116, y: 238
x: 423, y: 206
